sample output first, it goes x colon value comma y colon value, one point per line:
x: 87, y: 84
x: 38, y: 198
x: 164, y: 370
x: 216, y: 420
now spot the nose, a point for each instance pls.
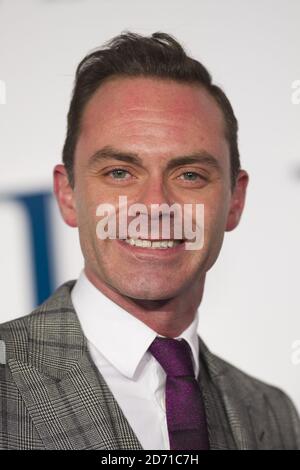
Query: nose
x: 155, y: 191
x: 155, y: 212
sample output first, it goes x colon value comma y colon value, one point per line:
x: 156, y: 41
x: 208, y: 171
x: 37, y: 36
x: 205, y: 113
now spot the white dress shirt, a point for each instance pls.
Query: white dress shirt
x: 118, y: 343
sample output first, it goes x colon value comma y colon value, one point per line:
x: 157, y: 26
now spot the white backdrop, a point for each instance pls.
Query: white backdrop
x: 251, y: 310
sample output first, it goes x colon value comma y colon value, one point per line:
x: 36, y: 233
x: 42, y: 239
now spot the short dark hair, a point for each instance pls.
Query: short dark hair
x: 133, y: 55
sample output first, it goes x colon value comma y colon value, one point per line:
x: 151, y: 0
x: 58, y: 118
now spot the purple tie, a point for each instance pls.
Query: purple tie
x: 184, y: 407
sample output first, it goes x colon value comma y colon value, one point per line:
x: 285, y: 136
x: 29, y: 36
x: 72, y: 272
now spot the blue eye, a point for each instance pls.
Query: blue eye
x: 118, y: 173
x: 192, y: 175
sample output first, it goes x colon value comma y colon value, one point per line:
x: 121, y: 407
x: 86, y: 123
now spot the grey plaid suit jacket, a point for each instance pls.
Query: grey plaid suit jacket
x: 53, y: 397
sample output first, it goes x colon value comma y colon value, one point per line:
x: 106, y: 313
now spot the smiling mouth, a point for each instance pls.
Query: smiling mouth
x: 151, y: 244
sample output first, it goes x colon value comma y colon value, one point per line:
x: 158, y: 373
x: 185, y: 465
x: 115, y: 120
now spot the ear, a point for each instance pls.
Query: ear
x: 64, y: 195
x: 237, y: 201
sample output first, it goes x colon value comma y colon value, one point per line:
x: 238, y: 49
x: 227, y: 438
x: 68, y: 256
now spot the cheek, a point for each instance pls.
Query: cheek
x: 215, y: 215
x: 86, y: 216
x: 87, y: 200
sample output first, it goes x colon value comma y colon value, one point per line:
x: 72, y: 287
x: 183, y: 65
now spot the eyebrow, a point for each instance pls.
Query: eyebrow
x: 109, y: 153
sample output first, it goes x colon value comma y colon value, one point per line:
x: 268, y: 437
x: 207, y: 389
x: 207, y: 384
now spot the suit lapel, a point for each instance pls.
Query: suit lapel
x: 67, y: 398
x: 229, y: 411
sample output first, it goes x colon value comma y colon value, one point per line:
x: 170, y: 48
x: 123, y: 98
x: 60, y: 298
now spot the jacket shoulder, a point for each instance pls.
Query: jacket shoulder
x: 250, y: 385
x: 266, y: 401
x: 14, y: 334
x: 16, y: 338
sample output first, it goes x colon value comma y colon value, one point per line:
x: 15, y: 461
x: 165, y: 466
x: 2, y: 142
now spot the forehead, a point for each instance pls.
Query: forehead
x: 132, y: 94
x: 140, y: 111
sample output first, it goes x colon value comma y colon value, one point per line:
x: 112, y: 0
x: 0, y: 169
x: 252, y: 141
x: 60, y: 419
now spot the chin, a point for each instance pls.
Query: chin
x: 148, y: 292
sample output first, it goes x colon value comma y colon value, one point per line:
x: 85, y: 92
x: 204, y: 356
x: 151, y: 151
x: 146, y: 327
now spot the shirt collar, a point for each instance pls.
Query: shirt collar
x: 113, y: 330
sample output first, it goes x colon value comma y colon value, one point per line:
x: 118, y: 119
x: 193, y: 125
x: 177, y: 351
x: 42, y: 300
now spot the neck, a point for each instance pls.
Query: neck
x: 168, y: 317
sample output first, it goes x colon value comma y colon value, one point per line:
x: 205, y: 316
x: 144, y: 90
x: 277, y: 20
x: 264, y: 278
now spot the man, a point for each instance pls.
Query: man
x: 113, y: 361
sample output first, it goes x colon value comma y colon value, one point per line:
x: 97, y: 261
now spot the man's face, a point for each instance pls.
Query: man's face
x: 157, y: 121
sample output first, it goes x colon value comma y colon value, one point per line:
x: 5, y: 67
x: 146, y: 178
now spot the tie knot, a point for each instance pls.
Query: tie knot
x: 173, y: 355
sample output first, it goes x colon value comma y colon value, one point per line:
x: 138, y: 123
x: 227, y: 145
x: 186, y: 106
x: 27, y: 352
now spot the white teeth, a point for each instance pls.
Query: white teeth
x: 163, y: 244
x: 142, y: 243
